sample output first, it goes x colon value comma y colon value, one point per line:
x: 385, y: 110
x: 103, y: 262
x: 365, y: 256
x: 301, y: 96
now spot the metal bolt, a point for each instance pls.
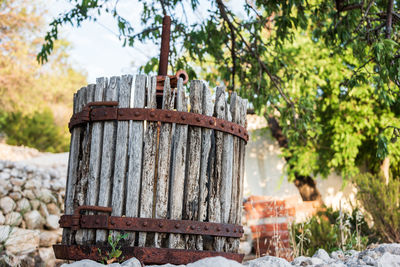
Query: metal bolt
x: 198, y: 119
x: 152, y: 114
x: 112, y: 222
x: 83, y: 220
x: 168, y: 115
x: 121, y: 113
x: 137, y: 113
x: 161, y: 225
x: 222, y: 124
x: 211, y: 122
x: 232, y: 127
x: 177, y: 225
x: 97, y: 221
x: 218, y: 228
x: 235, y: 230
x: 183, y: 117
x: 128, y: 223
x: 206, y: 227
x: 240, y: 130
x: 105, y: 113
x: 144, y: 224
x: 192, y: 227
x: 227, y: 230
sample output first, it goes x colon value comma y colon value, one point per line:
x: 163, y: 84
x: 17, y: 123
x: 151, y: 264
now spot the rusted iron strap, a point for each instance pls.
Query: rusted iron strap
x: 145, y: 255
x: 90, y: 114
x: 150, y: 225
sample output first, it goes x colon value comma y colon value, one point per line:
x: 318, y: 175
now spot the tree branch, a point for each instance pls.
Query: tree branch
x: 389, y: 19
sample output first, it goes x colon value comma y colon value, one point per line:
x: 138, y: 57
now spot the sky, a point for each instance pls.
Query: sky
x: 96, y: 48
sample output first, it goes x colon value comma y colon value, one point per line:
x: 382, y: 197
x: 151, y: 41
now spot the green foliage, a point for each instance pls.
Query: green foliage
x: 36, y: 130
x: 327, y: 70
x: 331, y: 231
x: 115, y: 253
x: 381, y: 199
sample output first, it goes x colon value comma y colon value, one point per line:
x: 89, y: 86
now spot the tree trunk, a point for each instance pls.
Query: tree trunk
x: 305, y: 184
x: 385, y: 169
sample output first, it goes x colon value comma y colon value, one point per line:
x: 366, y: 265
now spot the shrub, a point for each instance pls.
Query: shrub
x: 331, y: 231
x: 381, y: 201
x: 36, y: 130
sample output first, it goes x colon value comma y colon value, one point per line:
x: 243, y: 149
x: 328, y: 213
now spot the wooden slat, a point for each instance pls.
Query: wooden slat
x: 149, y: 162
x: 227, y: 161
x: 191, y: 193
x: 83, y: 170
x: 95, y: 159
x: 214, y: 208
x: 232, y: 243
x: 242, y: 153
x: 68, y: 236
x: 121, y: 152
x: 135, y: 154
x: 164, y: 159
x: 108, y: 155
x: 178, y: 169
x: 204, y: 175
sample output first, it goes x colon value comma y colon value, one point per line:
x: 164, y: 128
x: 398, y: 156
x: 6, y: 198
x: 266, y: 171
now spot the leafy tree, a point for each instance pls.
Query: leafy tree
x: 26, y: 87
x: 324, y: 73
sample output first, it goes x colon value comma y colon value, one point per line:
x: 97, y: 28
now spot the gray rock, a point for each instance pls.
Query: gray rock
x: 2, y: 218
x: 13, y: 219
x: 4, y: 233
x: 323, y: 255
x: 53, y: 208
x: 15, y: 195
x: 391, y: 248
x: 23, y: 205
x: 22, y: 242
x: 338, y: 255
x: 45, y: 195
x: 33, y: 183
x: 43, y: 210
x: 132, y: 262
x: 14, y: 173
x: 17, y: 181
x: 35, y: 204
x: 368, y: 260
x: 7, y: 204
x: 52, y: 222
x: 317, y: 261
x: 388, y: 259
x: 213, y: 261
x: 28, y: 194
x: 47, y: 256
x: 4, y: 175
x: 33, y: 220
x: 302, y: 261
x: 49, y: 238
x: 83, y: 263
x: 267, y: 261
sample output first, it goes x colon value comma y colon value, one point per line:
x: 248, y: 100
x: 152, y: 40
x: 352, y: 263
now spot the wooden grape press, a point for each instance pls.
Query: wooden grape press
x: 148, y: 161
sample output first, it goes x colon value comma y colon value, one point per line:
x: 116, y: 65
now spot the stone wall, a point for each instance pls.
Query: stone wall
x: 31, y: 202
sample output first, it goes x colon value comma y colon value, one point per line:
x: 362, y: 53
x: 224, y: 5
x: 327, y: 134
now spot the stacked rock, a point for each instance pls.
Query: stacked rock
x: 30, y: 197
x: 31, y: 203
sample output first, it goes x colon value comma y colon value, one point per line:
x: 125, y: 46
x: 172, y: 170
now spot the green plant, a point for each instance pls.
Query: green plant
x: 331, y: 230
x: 115, y: 253
x: 36, y: 130
x: 381, y: 199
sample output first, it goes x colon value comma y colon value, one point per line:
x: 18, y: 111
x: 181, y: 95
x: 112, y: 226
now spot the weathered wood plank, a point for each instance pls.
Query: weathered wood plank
x: 135, y: 154
x: 191, y: 191
x: 232, y: 243
x: 204, y: 175
x: 214, y: 209
x: 120, y: 163
x: 83, y: 170
x: 164, y: 159
x: 178, y: 169
x: 242, y: 154
x: 149, y: 162
x: 108, y: 155
x: 95, y: 160
x: 68, y: 236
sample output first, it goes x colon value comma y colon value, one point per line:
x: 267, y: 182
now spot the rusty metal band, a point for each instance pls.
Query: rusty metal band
x: 101, y: 221
x: 90, y: 114
x: 145, y: 255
